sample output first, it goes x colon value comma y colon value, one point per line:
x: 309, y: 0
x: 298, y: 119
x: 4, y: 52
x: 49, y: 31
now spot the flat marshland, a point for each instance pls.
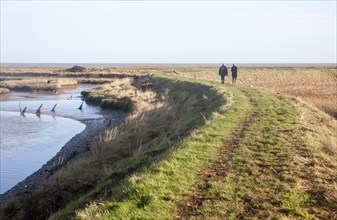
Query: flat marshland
x: 315, y: 85
x: 192, y: 148
x: 37, y: 85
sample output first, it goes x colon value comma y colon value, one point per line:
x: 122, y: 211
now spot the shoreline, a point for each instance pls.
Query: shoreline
x: 74, y: 149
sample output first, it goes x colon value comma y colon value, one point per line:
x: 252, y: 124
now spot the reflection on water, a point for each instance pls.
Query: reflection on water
x: 74, y: 93
x: 64, y: 108
x: 67, y: 103
x: 29, y: 141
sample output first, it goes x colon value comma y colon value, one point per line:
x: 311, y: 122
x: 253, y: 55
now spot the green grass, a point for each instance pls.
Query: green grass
x: 262, y: 178
x: 165, y: 183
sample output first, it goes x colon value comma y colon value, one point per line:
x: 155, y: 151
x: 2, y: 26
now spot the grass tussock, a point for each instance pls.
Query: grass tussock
x: 94, y: 80
x: 4, y: 91
x: 122, y: 94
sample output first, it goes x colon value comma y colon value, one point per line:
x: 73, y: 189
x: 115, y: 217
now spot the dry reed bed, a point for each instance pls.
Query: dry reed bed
x: 122, y: 94
x: 315, y: 85
x: 15, y: 69
x: 106, y: 72
x: 37, y: 84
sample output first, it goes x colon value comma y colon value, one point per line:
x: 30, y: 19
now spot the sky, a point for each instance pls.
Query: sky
x: 168, y: 31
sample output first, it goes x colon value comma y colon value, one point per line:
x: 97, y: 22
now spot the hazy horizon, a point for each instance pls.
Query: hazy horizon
x: 164, y: 64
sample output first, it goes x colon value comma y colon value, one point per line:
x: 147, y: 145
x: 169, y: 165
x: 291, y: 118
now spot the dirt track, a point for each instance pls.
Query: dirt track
x: 265, y: 168
x: 189, y: 206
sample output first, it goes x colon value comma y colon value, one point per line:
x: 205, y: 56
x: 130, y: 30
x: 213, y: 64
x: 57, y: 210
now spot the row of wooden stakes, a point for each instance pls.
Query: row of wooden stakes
x: 38, y: 111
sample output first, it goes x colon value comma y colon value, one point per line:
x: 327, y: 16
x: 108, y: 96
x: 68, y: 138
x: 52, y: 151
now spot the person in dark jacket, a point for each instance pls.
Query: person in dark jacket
x: 234, y: 71
x: 223, y: 72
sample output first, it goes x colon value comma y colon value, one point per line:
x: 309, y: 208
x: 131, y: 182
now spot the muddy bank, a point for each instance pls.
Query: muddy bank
x: 71, y: 151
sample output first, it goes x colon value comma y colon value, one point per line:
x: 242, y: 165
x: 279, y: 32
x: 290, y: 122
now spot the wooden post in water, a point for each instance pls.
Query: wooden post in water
x: 38, y: 111
x: 53, y: 110
x: 80, y: 108
x: 23, y: 111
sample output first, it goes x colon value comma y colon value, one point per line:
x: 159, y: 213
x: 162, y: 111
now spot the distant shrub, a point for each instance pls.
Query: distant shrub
x: 77, y: 69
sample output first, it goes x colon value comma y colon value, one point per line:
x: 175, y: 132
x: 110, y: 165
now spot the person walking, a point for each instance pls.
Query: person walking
x: 234, y: 71
x: 223, y: 72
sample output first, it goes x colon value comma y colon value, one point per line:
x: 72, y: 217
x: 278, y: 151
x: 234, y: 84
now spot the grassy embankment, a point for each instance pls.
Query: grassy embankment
x: 160, y: 119
x: 280, y: 163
